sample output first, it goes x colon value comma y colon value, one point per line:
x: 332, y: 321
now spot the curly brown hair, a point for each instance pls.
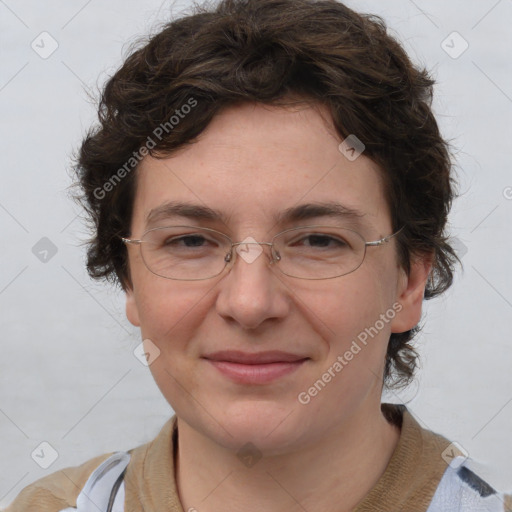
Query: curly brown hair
x: 269, y: 51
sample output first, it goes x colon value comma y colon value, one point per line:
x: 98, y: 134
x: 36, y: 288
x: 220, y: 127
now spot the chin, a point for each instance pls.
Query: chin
x: 269, y: 426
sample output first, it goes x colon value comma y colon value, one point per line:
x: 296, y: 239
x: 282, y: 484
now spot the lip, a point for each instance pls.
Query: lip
x: 255, y: 368
x: 256, y: 373
x: 236, y: 356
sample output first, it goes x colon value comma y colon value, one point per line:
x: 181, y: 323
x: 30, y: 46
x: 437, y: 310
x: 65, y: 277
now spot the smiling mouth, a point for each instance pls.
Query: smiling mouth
x: 256, y: 373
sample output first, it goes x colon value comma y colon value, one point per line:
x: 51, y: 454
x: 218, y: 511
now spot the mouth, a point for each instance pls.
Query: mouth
x: 257, y: 368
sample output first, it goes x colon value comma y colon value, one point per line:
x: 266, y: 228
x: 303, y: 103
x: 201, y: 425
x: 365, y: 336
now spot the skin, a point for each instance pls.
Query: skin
x: 325, y: 455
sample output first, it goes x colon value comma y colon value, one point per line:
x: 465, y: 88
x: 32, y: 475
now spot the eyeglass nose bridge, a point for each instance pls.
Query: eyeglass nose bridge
x: 274, y: 254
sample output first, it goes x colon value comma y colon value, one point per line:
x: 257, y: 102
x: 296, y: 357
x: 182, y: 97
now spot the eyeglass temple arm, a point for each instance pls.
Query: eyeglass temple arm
x: 131, y: 241
x: 386, y: 239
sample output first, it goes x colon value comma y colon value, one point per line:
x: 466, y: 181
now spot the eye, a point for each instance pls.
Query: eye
x: 189, y: 241
x: 320, y: 240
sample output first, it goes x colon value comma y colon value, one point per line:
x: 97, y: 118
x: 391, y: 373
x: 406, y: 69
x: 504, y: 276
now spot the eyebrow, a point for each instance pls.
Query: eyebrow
x: 302, y: 212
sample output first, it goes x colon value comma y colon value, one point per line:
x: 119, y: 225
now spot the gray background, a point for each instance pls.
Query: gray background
x: 68, y: 375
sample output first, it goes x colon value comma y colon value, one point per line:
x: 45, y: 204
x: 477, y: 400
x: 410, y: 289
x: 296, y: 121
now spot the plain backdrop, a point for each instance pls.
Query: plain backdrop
x: 68, y: 373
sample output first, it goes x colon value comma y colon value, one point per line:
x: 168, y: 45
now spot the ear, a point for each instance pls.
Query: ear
x: 410, y: 293
x: 132, y: 311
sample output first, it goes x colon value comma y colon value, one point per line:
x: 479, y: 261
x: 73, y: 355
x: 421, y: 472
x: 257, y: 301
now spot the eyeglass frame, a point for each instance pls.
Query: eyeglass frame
x: 374, y: 243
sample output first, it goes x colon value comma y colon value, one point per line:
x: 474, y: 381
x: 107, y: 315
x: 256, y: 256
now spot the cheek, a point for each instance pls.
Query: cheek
x: 351, y: 318
x: 356, y: 302
x: 355, y: 337
x: 170, y: 314
x: 166, y: 309
x: 354, y: 357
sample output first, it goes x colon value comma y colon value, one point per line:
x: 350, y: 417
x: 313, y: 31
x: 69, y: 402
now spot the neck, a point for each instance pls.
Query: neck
x: 335, y: 473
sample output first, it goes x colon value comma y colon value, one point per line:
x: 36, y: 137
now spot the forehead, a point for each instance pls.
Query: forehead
x: 257, y: 163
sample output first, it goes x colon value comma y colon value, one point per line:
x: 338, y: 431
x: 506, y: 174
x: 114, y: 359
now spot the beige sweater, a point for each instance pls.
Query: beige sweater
x: 408, y: 483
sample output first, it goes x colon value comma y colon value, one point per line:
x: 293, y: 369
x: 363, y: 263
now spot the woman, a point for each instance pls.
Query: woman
x: 269, y: 186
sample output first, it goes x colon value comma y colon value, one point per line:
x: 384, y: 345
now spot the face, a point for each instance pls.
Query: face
x: 251, y: 163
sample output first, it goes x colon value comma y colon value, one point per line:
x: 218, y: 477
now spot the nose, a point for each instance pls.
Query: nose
x: 252, y: 291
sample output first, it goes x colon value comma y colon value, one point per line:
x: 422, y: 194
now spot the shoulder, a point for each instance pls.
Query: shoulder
x: 57, y: 490
x: 61, y: 489
x: 461, y: 488
x: 439, y: 476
